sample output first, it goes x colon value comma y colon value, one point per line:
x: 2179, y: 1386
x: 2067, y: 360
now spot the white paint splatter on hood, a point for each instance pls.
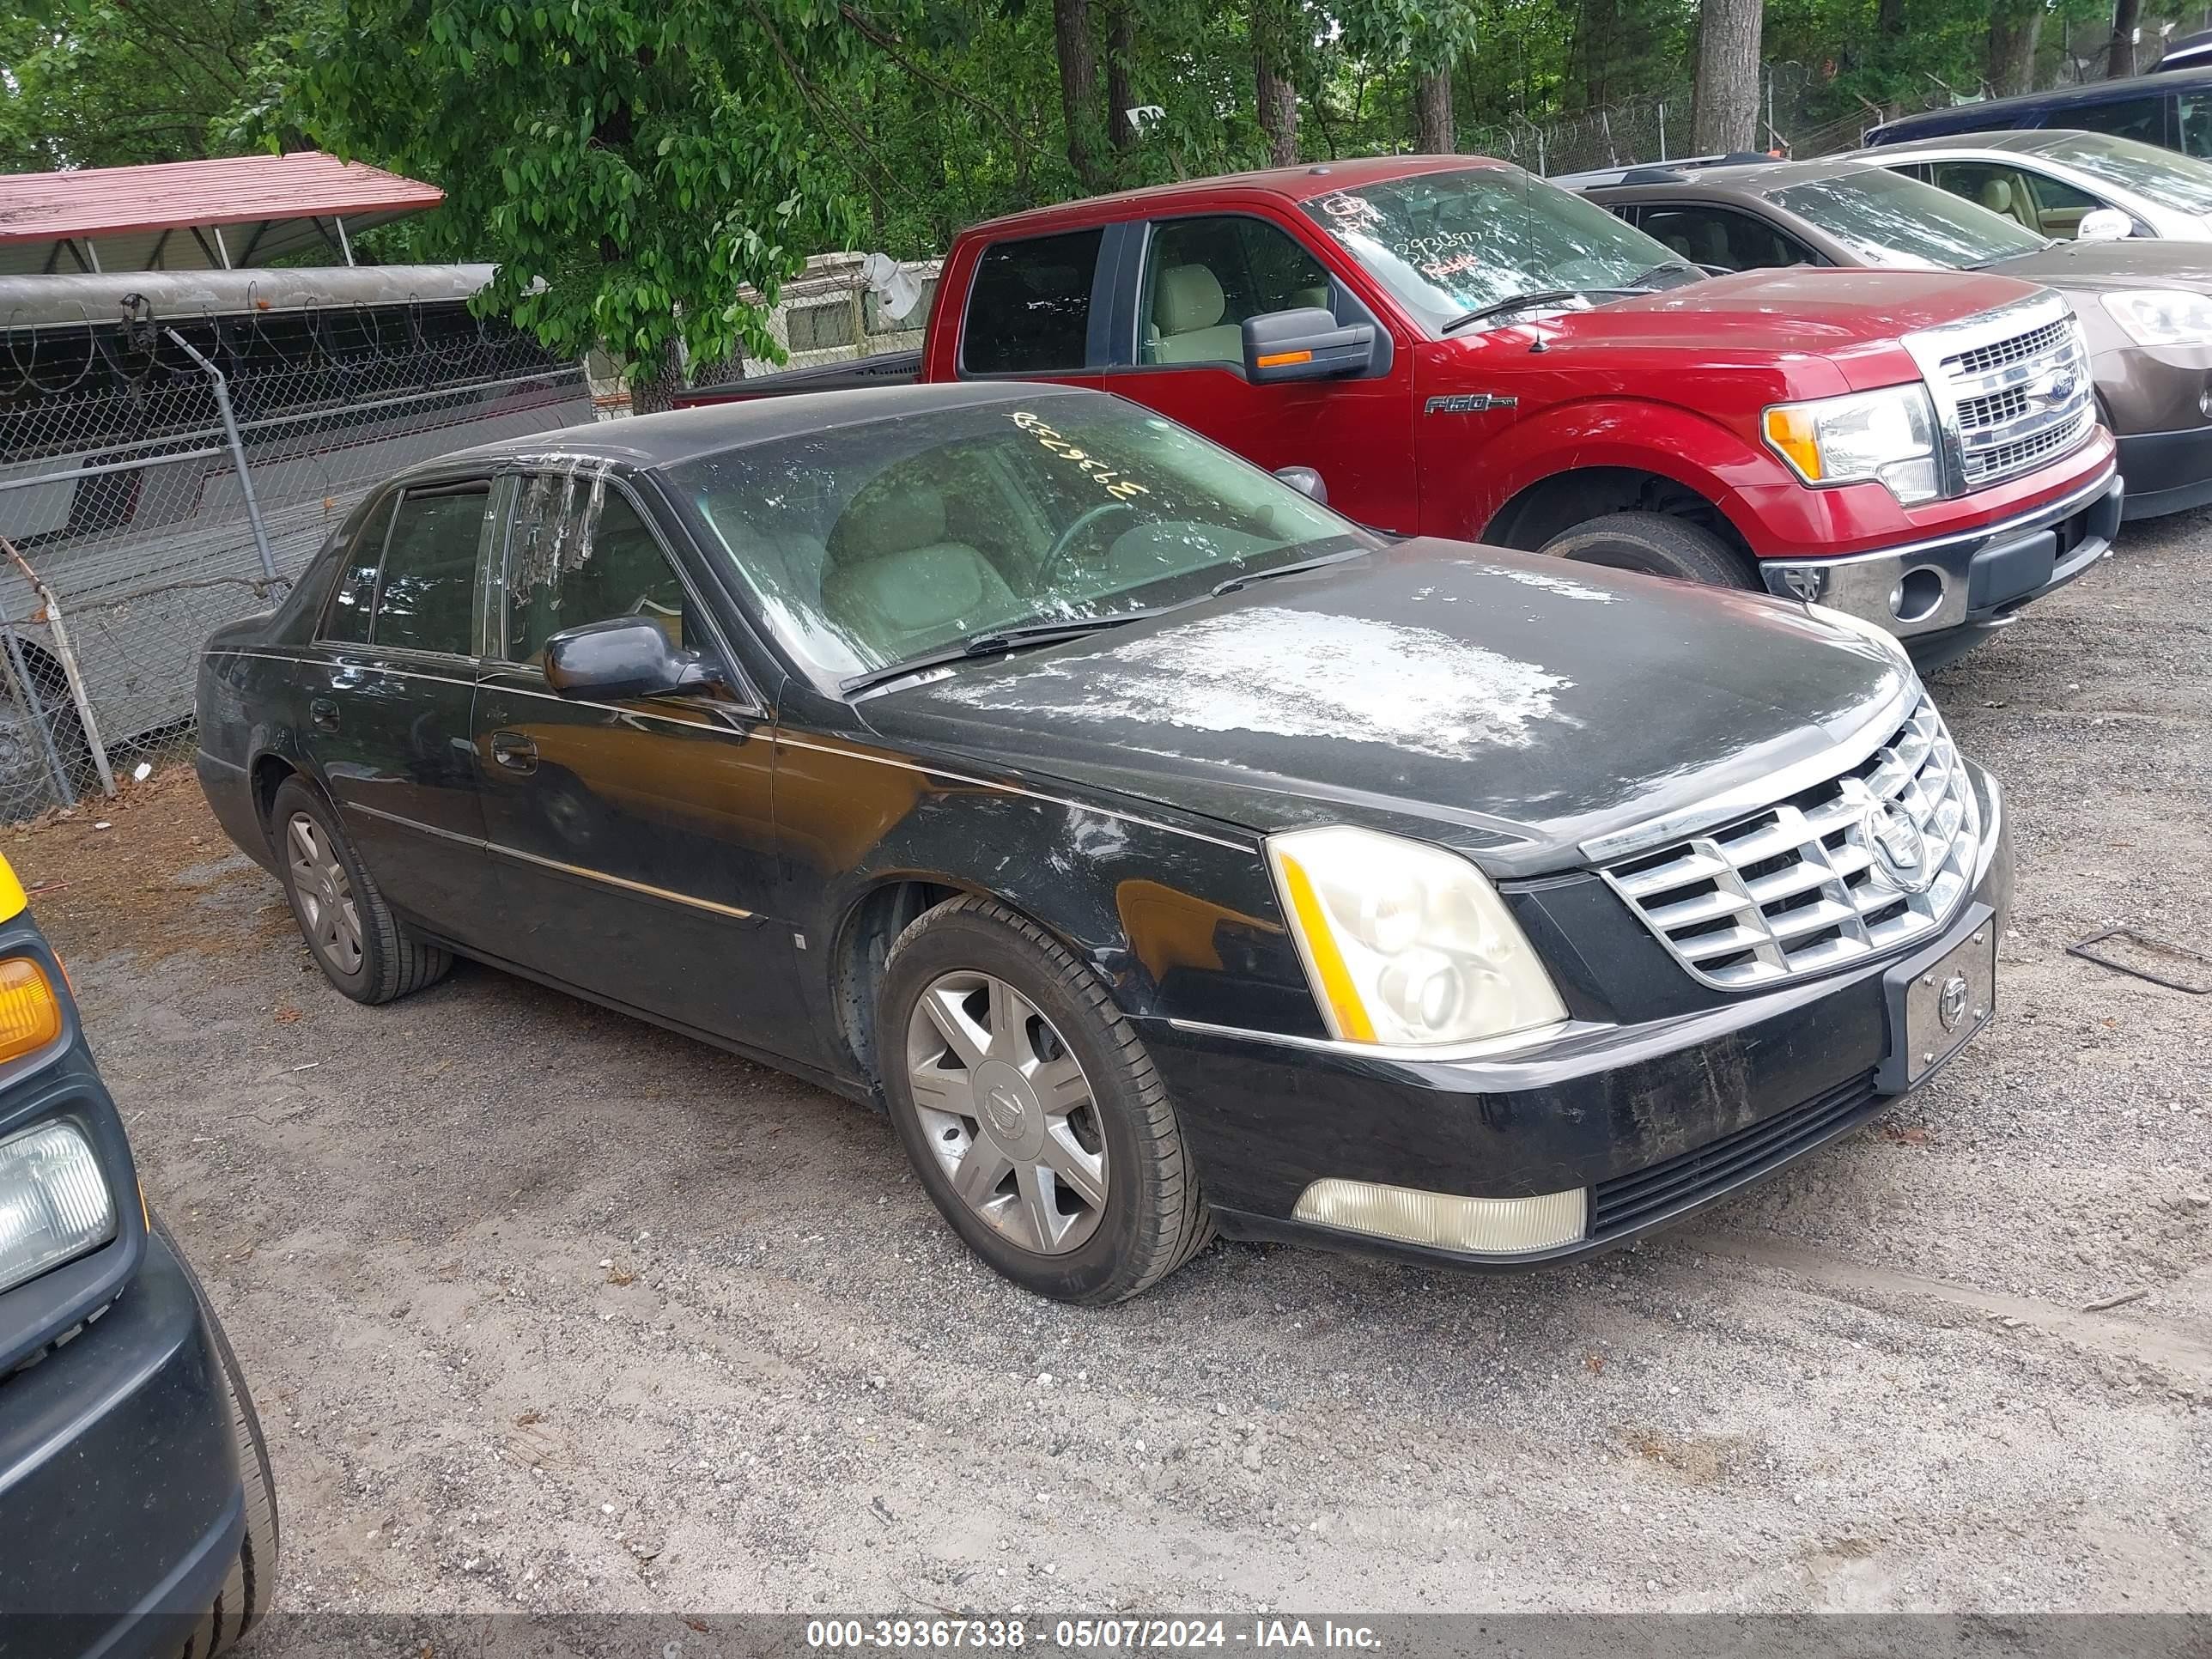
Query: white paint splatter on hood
x: 1294, y: 674
x: 1565, y: 587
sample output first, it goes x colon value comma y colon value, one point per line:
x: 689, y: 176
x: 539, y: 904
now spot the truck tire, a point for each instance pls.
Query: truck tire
x: 1655, y: 545
x: 1082, y: 1188
x: 361, y: 947
x: 247, y: 1589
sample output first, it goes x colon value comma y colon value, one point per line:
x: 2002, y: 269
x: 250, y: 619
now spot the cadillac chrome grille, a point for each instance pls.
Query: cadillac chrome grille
x: 2012, y: 390
x: 1849, y: 868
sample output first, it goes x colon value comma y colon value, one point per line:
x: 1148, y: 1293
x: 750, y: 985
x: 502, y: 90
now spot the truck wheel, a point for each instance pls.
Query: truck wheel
x: 1656, y: 545
x: 361, y: 947
x: 1030, y: 1110
x: 252, y: 1582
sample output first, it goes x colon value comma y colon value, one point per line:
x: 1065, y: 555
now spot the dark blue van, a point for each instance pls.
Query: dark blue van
x: 136, y: 1513
x: 2171, y: 109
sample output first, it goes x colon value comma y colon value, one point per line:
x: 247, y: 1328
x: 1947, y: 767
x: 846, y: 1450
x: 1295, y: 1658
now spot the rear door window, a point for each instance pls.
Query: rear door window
x: 1028, y: 310
x: 427, y: 594
x: 345, y: 621
x: 2141, y: 118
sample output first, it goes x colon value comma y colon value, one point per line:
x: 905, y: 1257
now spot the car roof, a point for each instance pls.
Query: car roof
x: 2016, y: 139
x: 2085, y: 92
x: 644, y: 442
x: 1296, y: 184
x: 1746, y: 180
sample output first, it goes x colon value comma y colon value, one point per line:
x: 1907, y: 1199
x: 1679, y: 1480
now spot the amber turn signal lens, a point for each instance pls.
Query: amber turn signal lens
x: 1279, y: 359
x: 30, y: 1013
x: 1796, y: 433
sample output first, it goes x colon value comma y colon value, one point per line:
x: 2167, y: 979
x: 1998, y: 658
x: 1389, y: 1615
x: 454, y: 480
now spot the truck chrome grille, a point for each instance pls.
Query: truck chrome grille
x: 1822, y: 879
x: 2012, y: 388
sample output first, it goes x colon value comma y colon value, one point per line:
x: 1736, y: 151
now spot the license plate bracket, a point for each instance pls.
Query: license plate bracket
x: 1939, y: 1000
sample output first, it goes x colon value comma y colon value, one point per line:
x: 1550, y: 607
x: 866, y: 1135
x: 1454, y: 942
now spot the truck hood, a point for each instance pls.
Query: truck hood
x: 1798, y: 312
x: 2106, y: 267
x: 1505, y: 704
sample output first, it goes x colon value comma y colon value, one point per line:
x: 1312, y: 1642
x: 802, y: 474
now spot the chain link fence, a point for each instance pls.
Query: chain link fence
x: 166, y: 470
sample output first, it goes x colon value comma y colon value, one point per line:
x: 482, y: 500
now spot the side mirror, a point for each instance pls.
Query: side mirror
x: 1305, y: 344
x: 624, y: 657
x: 2104, y: 225
x: 1307, y: 481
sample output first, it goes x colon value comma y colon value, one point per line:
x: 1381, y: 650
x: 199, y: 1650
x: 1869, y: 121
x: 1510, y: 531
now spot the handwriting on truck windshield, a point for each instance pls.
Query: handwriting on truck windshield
x: 1438, y: 256
x: 1120, y: 487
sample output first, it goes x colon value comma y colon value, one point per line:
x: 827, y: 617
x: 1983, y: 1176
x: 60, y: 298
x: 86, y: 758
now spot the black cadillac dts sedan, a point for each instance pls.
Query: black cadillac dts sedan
x: 1161, y: 850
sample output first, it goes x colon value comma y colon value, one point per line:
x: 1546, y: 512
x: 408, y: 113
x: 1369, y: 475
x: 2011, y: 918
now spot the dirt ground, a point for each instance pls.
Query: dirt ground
x: 547, y: 1310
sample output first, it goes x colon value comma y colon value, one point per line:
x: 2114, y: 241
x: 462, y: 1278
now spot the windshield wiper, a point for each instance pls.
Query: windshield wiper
x: 1236, y: 581
x: 1644, y: 279
x: 996, y: 641
x: 1542, y: 296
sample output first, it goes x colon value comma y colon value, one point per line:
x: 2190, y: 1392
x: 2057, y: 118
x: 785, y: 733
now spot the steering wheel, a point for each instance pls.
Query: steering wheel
x: 1065, y: 543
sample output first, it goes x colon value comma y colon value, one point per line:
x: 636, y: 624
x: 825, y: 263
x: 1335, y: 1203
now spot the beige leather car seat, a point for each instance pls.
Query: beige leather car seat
x: 892, y: 579
x: 1187, y: 309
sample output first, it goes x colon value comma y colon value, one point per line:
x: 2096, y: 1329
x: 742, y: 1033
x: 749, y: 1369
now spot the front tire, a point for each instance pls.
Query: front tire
x: 361, y: 947
x: 1653, y: 544
x: 1030, y: 1110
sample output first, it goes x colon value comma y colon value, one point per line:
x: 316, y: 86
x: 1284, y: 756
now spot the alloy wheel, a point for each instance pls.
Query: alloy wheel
x: 1005, y: 1106
x: 328, y: 914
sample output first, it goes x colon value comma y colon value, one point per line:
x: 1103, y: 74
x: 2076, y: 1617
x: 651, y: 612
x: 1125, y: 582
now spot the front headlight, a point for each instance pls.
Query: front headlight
x: 1883, y: 437
x: 1406, y: 943
x: 54, y: 1201
x: 2162, y: 317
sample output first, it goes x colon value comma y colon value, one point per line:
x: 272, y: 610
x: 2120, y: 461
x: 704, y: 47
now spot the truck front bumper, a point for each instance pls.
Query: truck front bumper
x: 1943, y: 596
x: 1633, y: 1126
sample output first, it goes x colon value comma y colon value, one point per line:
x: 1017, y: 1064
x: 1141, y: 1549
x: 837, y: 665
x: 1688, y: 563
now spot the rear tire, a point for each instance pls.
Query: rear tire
x: 250, y: 1585
x: 1655, y: 544
x: 1083, y: 1189
x: 361, y: 947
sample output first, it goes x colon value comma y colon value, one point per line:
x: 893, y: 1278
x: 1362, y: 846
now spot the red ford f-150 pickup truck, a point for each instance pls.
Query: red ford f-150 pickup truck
x: 1459, y: 349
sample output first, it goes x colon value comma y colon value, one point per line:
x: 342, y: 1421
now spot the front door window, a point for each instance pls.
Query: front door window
x: 1203, y: 277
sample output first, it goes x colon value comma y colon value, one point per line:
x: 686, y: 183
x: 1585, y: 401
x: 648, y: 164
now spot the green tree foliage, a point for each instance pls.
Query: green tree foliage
x: 116, y: 83
x: 630, y: 164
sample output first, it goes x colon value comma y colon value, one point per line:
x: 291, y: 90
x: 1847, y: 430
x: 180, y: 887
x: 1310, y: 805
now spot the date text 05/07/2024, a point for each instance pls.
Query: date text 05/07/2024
x: 1261, y: 1634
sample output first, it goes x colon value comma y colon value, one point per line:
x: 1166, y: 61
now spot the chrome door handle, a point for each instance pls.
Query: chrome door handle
x: 322, y: 713
x: 515, y: 752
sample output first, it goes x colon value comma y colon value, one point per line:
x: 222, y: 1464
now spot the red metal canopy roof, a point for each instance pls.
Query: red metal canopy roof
x: 174, y: 215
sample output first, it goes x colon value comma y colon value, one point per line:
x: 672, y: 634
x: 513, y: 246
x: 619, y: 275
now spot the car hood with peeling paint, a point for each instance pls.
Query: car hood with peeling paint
x: 1509, y: 705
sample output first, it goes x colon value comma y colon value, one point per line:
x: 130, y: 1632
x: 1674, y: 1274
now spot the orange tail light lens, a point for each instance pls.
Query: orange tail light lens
x: 30, y: 1013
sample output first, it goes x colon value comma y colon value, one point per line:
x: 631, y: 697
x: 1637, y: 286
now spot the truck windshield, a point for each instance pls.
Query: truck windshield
x: 1889, y: 220
x: 2165, y: 176
x: 1448, y: 244
x: 887, y: 541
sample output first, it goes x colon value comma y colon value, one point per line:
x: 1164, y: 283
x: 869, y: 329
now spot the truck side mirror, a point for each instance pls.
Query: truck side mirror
x: 1308, y: 343
x: 2104, y: 225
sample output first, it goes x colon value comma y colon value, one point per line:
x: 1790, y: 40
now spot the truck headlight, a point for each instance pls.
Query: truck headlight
x: 1406, y: 943
x: 54, y: 1201
x: 1882, y: 437
x: 2162, y: 317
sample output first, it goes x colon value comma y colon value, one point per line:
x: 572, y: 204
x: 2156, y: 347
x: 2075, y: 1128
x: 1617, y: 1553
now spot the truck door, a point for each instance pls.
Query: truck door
x: 1199, y: 278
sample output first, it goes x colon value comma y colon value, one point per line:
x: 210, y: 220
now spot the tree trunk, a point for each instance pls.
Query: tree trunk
x: 653, y: 385
x: 1727, y: 112
x: 2120, y: 57
x: 1120, y: 53
x: 1277, y: 99
x: 1432, y: 111
x: 2014, y: 27
x: 1079, y: 87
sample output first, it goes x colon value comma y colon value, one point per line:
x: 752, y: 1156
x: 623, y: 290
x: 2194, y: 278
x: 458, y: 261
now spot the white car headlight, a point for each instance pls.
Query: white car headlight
x: 1406, y: 944
x: 1882, y: 437
x: 2157, y: 316
x: 54, y: 1201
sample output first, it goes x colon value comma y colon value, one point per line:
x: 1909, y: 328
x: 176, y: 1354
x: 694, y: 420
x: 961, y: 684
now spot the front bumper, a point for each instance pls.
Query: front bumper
x: 1942, y: 597
x: 1655, y: 1121
x: 2166, y: 471
x: 119, y: 1489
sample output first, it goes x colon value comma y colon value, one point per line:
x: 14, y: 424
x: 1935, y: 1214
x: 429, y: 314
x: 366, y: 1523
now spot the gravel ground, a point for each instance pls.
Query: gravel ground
x: 547, y: 1310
